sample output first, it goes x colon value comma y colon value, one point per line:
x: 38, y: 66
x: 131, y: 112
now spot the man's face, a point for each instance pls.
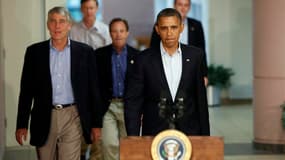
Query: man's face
x: 58, y: 26
x: 89, y: 9
x: 183, y: 7
x: 169, y: 29
x: 119, y: 34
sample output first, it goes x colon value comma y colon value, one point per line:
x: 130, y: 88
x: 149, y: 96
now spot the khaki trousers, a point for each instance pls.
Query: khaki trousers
x: 113, y: 129
x: 64, y: 139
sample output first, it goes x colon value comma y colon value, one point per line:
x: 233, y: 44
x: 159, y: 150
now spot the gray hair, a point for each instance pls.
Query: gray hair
x: 60, y: 10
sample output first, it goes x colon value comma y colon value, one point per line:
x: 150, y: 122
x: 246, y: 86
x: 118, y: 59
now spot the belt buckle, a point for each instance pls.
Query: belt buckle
x: 58, y: 106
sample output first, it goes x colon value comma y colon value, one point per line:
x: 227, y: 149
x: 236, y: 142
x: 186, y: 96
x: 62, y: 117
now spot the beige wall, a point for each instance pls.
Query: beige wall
x: 2, y: 113
x: 141, y: 19
x: 22, y: 24
x: 230, y: 40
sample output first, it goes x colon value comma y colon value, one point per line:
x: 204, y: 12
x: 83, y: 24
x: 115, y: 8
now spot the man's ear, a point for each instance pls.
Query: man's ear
x: 69, y: 26
x: 156, y: 29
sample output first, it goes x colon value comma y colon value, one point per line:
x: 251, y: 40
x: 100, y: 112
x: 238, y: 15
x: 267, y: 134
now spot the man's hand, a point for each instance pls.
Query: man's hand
x: 206, y: 81
x: 95, y: 134
x: 21, y: 134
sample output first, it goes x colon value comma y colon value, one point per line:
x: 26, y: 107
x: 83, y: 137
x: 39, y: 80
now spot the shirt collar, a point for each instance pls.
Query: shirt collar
x: 163, y: 51
x: 95, y: 25
x: 124, y: 51
x: 51, y: 46
x: 185, y: 21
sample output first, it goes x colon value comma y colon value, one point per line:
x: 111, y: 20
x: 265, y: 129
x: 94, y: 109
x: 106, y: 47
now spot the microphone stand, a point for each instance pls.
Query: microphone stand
x: 171, y: 112
x: 179, y: 108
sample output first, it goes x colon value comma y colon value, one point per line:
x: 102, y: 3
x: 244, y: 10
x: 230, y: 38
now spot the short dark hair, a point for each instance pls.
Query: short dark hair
x: 118, y: 20
x: 168, y: 12
x: 83, y: 1
x: 174, y: 2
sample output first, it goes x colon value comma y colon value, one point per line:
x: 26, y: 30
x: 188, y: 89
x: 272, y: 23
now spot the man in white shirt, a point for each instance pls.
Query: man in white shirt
x: 171, y: 73
x: 192, y: 33
x: 90, y: 30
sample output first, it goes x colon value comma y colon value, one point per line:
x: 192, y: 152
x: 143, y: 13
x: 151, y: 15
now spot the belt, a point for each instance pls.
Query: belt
x: 61, y: 106
x: 117, y: 99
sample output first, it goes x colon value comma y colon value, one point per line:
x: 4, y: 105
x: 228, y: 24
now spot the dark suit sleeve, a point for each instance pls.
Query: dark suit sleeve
x: 155, y: 38
x: 202, y: 45
x: 200, y: 37
x: 134, y: 99
x: 205, y: 66
x: 26, y: 91
x: 202, y: 100
x: 96, y: 115
x: 196, y: 38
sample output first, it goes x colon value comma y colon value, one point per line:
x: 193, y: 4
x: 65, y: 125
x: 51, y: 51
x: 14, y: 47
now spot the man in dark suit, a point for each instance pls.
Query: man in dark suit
x: 169, y: 71
x: 115, y: 65
x: 59, y: 81
x: 192, y: 33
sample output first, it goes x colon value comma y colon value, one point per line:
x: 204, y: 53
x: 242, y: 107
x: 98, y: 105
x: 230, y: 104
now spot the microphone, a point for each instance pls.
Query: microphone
x: 180, y: 108
x: 166, y: 110
x: 179, y: 105
x: 171, y: 111
x: 162, y: 107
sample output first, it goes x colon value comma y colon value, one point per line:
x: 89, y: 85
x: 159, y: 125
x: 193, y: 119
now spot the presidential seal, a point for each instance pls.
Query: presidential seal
x: 171, y: 145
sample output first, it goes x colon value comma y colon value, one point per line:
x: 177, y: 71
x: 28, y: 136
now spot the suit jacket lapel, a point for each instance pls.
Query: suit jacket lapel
x: 191, y: 29
x: 74, y: 61
x: 130, y: 60
x: 46, y: 58
x: 45, y: 61
x: 158, y: 68
x: 186, y: 60
x: 108, y: 60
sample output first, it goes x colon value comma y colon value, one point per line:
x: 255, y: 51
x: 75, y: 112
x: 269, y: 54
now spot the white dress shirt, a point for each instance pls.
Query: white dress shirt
x: 184, y: 34
x: 172, y: 68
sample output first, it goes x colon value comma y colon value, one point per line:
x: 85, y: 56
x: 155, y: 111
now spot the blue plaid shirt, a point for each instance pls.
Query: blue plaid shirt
x: 119, y: 67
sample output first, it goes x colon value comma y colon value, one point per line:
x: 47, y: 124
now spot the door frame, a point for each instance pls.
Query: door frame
x: 2, y: 91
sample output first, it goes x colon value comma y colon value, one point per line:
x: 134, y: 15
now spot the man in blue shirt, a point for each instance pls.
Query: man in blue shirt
x: 115, y: 65
x: 59, y: 92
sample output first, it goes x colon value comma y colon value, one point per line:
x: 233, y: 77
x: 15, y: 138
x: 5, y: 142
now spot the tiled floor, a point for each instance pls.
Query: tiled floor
x: 235, y: 124
x: 232, y: 122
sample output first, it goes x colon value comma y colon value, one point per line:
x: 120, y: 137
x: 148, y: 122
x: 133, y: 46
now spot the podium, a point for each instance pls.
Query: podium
x: 203, y: 148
